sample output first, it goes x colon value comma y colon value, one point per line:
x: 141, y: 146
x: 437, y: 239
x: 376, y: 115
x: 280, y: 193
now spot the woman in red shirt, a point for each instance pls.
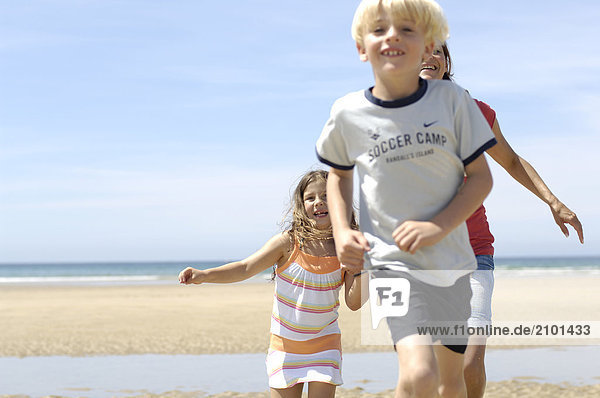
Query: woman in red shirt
x: 439, y: 66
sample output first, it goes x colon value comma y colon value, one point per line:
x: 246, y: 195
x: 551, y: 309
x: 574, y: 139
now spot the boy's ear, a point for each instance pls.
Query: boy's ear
x: 362, y: 53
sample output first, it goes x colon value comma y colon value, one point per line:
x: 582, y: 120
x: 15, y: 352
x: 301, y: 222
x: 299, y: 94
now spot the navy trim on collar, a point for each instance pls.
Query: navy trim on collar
x: 400, y: 102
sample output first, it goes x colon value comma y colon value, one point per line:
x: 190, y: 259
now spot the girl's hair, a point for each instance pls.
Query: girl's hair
x: 448, y: 74
x: 300, y: 226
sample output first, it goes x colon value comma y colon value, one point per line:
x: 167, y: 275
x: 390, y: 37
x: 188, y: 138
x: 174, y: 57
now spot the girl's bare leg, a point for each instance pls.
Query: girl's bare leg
x: 321, y: 390
x: 290, y: 392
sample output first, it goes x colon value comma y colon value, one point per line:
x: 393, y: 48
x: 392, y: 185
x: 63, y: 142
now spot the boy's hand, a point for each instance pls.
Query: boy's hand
x: 410, y: 236
x: 190, y: 275
x: 350, y: 246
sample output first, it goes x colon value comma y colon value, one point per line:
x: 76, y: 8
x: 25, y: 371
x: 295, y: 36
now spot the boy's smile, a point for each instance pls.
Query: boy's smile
x: 395, y: 50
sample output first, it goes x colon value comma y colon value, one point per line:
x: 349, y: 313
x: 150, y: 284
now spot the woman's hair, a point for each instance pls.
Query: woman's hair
x: 448, y: 74
x: 299, y: 225
x: 427, y: 14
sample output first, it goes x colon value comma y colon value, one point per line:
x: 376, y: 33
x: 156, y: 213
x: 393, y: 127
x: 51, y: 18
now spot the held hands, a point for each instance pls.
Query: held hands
x: 191, y: 275
x: 410, y: 236
x: 350, y: 247
x: 562, y: 216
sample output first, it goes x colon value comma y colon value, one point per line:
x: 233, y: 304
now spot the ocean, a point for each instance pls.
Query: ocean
x: 165, y: 272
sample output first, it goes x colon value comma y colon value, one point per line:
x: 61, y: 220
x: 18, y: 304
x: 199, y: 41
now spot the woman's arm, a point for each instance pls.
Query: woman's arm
x: 276, y: 250
x: 525, y: 174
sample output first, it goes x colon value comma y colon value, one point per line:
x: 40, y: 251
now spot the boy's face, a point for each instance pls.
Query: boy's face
x: 394, y: 48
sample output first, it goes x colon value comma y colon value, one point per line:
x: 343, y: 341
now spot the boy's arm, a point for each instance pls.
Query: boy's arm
x: 526, y: 175
x: 276, y: 250
x: 412, y: 235
x: 350, y: 245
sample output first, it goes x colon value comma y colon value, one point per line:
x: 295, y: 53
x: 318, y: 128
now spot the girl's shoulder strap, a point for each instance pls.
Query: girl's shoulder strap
x: 295, y: 250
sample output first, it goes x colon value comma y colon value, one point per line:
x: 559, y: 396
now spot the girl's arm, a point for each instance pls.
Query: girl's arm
x: 276, y: 250
x: 357, y: 289
x: 412, y: 235
x: 350, y: 245
x: 526, y: 175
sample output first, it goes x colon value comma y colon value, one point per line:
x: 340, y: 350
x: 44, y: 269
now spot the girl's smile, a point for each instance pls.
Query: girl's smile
x: 315, y: 204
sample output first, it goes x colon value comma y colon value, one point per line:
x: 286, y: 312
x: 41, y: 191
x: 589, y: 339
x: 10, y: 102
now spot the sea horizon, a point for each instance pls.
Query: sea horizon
x: 163, y: 272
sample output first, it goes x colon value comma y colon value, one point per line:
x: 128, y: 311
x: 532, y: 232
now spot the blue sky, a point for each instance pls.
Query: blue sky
x: 154, y: 130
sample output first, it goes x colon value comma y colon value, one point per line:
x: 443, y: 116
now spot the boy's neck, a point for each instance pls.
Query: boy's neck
x: 393, y: 89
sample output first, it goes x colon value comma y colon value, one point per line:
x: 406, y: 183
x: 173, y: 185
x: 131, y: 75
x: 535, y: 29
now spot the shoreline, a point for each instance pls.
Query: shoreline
x: 370, y: 374
x: 79, y: 322
x: 176, y: 319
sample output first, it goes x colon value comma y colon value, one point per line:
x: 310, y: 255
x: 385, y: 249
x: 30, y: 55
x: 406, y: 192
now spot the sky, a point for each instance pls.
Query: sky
x: 175, y: 130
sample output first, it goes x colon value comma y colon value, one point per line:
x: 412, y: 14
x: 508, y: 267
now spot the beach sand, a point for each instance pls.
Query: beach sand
x: 208, y: 319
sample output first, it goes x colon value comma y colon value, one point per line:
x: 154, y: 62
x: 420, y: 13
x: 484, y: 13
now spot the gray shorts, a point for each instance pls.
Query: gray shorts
x: 443, y: 310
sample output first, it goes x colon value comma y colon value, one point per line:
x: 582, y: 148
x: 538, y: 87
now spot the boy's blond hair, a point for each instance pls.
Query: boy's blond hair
x: 427, y: 14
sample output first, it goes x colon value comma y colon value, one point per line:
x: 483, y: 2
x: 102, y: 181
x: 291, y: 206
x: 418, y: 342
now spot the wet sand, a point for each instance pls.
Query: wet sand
x: 209, y: 319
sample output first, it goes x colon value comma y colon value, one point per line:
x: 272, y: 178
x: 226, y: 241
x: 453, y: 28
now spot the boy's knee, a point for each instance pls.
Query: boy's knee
x: 453, y: 389
x: 420, y: 382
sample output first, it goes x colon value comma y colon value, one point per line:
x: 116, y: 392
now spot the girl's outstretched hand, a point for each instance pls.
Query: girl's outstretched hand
x: 190, y: 275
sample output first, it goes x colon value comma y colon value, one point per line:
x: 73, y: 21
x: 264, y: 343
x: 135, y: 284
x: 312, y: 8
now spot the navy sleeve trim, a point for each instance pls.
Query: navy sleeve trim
x: 335, y: 166
x: 481, y: 150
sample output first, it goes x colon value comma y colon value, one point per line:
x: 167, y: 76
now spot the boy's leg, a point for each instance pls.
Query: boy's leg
x: 450, y: 363
x: 418, y: 374
x: 321, y: 390
x: 290, y: 392
x: 474, y: 370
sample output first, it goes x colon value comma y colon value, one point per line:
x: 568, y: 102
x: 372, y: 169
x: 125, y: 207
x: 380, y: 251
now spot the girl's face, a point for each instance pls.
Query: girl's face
x: 315, y: 203
x: 435, y: 66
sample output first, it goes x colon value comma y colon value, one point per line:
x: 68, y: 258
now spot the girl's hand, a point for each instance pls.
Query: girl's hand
x: 190, y: 275
x: 410, y: 236
x: 350, y: 246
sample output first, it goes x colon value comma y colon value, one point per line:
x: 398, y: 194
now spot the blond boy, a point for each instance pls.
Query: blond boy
x: 412, y: 142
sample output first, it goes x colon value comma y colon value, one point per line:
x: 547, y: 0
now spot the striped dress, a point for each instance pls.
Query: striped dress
x: 305, y: 338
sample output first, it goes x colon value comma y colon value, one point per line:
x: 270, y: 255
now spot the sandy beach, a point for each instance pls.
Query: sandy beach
x: 172, y: 319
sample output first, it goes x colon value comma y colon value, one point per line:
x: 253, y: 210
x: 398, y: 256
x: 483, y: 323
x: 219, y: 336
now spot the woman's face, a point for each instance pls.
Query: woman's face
x: 435, y: 66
